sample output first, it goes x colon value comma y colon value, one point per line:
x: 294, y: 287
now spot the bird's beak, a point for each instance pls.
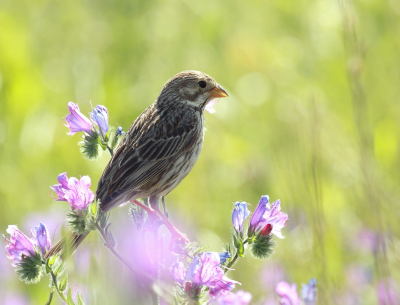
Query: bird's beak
x: 218, y: 92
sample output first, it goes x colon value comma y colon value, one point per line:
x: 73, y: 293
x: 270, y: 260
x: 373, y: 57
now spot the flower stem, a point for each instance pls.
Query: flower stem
x: 54, y: 278
x: 110, y: 150
x: 50, y: 298
x: 233, y: 261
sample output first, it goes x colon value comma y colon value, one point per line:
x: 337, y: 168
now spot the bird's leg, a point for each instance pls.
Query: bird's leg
x: 149, y: 210
x: 154, y: 203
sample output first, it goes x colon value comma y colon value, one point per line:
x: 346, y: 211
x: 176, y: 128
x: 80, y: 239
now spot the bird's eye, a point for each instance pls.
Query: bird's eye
x: 202, y: 84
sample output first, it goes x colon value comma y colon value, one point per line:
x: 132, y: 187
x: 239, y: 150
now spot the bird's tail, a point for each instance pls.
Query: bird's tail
x: 67, y: 245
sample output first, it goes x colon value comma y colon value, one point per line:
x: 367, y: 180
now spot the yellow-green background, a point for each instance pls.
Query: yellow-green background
x: 313, y: 118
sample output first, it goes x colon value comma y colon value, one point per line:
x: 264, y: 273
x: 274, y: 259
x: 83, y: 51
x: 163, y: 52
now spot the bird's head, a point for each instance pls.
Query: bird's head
x: 192, y: 87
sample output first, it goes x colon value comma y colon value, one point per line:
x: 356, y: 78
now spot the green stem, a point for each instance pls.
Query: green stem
x: 233, y: 261
x: 50, y: 298
x: 110, y: 150
x: 56, y: 287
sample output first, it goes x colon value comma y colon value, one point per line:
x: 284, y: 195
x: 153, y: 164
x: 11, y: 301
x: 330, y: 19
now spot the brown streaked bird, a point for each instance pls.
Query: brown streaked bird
x: 159, y: 149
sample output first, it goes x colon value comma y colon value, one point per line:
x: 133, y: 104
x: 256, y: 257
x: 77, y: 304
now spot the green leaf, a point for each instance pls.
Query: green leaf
x: 48, y: 268
x: 70, y: 301
x: 79, y: 298
x: 63, y: 282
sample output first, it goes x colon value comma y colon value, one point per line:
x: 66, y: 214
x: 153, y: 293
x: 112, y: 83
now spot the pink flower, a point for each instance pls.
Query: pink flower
x: 266, y: 214
x: 288, y: 293
x: 76, y: 121
x: 75, y: 192
x: 203, y: 270
x: 18, y: 245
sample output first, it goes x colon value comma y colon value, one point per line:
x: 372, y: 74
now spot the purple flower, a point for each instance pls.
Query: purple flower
x: 42, y: 236
x: 178, y: 272
x: 266, y: 214
x: 239, y: 298
x: 99, y: 115
x: 18, y: 245
x: 309, y: 292
x: 224, y: 286
x: 239, y: 215
x: 223, y: 256
x: 76, y: 121
x: 288, y: 293
x: 204, y: 269
x: 75, y: 191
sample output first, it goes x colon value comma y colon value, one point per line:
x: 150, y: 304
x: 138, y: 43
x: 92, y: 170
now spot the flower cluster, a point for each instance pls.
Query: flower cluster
x: 204, y: 270
x: 289, y: 296
x: 267, y: 219
x: 96, y: 131
x: 75, y: 192
x: 27, y: 253
x: 76, y: 121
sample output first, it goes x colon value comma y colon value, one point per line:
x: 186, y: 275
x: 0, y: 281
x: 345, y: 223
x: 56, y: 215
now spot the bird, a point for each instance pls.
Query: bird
x: 158, y: 151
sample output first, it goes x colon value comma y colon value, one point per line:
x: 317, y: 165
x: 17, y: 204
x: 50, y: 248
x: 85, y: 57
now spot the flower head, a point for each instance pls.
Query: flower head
x: 42, y: 236
x: 178, y: 272
x: 203, y: 270
x: 266, y: 214
x: 309, y: 292
x: 99, y: 116
x: 76, y: 121
x: 223, y: 256
x: 18, y: 245
x: 288, y: 293
x: 222, y: 287
x: 75, y: 192
x: 239, y: 215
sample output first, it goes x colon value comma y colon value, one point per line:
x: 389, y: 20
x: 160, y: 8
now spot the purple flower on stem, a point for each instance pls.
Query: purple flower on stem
x: 309, y: 292
x: 42, y: 236
x: 204, y: 269
x: 178, y: 272
x: 239, y: 298
x: 75, y: 192
x: 239, y: 215
x: 18, y: 245
x: 224, y: 286
x: 76, y: 121
x: 223, y: 256
x: 288, y: 293
x: 266, y: 214
x: 99, y: 115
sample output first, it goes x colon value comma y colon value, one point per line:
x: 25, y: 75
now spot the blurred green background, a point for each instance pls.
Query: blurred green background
x: 312, y: 118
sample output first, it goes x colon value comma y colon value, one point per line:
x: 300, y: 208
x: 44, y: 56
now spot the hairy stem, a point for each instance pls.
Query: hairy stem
x: 56, y: 287
x: 110, y: 150
x: 234, y: 259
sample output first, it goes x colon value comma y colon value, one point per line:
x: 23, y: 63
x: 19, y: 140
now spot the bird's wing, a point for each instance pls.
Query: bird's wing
x: 147, y: 152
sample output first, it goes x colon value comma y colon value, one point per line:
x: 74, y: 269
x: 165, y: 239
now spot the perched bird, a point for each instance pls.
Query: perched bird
x: 159, y: 149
